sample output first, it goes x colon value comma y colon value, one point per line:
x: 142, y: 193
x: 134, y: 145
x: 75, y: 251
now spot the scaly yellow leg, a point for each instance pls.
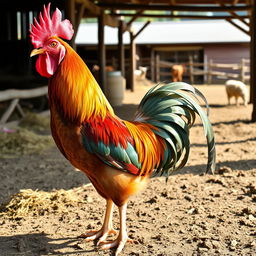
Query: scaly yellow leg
x: 107, y: 227
x: 122, y: 237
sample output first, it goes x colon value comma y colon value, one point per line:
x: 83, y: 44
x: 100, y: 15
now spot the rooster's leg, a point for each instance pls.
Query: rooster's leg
x: 122, y: 237
x: 106, y: 229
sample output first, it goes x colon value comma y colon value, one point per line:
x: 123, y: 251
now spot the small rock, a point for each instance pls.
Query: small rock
x: 189, y: 198
x: 251, y: 217
x: 158, y: 237
x: 223, y: 170
x: 153, y: 200
x: 251, y: 190
x: 215, y: 244
x: 184, y: 186
x: 211, y: 216
x: 233, y: 243
x: 207, y: 244
x: 216, y: 181
x: 192, y: 211
x: 164, y: 194
x: 141, y: 240
x: 89, y: 199
x: 78, y: 246
x: 89, y: 226
x: 202, y: 249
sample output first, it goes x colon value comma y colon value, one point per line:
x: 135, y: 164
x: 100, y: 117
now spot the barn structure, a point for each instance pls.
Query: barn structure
x: 15, y: 19
x: 195, y: 43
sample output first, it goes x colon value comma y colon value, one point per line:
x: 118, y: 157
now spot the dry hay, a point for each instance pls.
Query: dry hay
x: 35, y: 122
x: 34, y: 203
x: 31, y: 136
x: 23, y: 141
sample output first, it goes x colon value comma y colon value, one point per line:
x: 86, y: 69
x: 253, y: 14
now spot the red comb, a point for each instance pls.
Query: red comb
x: 50, y: 26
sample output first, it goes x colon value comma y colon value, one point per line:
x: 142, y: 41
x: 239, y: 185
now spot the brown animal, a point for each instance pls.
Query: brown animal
x: 177, y: 72
x: 96, y: 68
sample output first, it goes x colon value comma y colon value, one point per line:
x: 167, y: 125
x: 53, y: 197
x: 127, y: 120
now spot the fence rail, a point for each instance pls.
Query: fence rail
x: 208, y: 71
x: 13, y: 96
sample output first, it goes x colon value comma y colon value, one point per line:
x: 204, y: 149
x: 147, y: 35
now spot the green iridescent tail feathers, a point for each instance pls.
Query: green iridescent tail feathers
x: 172, y: 109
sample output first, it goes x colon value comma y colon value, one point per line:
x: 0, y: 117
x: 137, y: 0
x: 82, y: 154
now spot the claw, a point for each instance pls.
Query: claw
x: 105, y: 236
x: 101, y: 234
x: 119, y: 243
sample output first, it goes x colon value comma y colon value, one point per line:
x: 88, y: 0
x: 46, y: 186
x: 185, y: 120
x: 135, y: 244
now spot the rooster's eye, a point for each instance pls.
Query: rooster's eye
x: 53, y: 44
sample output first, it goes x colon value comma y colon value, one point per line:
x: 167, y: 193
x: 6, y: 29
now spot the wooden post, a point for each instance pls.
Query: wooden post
x: 157, y: 68
x: 133, y: 54
x: 242, y: 70
x: 209, y: 72
x: 101, y: 52
x: 191, y: 75
x: 121, y: 55
x: 152, y: 65
x: 70, y: 14
x: 132, y: 62
x: 253, y: 61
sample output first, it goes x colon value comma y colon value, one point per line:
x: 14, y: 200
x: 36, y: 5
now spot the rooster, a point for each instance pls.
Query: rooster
x: 119, y: 157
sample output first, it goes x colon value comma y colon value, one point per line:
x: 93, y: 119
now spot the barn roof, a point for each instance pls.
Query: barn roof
x: 171, y: 32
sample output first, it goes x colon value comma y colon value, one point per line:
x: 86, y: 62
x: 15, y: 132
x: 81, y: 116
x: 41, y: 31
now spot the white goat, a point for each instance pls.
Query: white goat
x: 140, y: 73
x: 235, y: 88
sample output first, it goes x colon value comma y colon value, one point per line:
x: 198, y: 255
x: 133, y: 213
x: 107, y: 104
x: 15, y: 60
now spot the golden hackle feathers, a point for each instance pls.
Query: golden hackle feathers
x: 81, y: 97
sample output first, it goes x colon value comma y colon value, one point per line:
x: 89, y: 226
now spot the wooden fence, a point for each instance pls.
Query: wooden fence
x: 210, y: 72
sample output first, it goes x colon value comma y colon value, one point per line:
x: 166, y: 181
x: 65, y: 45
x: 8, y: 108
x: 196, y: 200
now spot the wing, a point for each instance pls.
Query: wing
x: 130, y: 147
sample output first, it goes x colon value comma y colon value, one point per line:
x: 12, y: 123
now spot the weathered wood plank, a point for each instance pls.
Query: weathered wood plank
x: 23, y: 94
x: 9, y: 111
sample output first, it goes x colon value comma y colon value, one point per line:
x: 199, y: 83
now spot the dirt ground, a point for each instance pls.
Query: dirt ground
x: 191, y: 214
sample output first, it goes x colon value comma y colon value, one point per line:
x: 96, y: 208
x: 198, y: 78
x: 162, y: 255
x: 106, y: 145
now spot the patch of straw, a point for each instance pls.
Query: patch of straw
x: 22, y: 142
x: 34, y: 203
x: 35, y: 122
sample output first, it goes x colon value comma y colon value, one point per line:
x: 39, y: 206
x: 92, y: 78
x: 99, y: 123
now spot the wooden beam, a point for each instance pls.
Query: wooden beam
x: 23, y: 94
x: 253, y: 62
x: 110, y: 21
x: 131, y: 83
x: 80, y: 13
x: 121, y: 54
x: 247, y: 32
x: 143, y: 27
x: 91, y: 7
x: 70, y: 14
x: 101, y: 52
x: 165, y: 7
x: 134, y: 17
x: 96, y: 11
x: 235, y: 15
x: 177, y: 16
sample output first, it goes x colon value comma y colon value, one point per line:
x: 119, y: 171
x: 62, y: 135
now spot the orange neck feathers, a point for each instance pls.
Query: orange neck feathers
x: 75, y: 91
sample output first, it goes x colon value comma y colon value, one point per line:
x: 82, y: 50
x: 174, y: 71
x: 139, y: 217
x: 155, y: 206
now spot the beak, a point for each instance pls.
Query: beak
x: 37, y: 51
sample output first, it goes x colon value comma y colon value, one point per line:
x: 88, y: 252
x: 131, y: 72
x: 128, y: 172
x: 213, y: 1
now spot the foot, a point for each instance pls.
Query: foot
x: 102, y: 234
x: 119, y: 243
